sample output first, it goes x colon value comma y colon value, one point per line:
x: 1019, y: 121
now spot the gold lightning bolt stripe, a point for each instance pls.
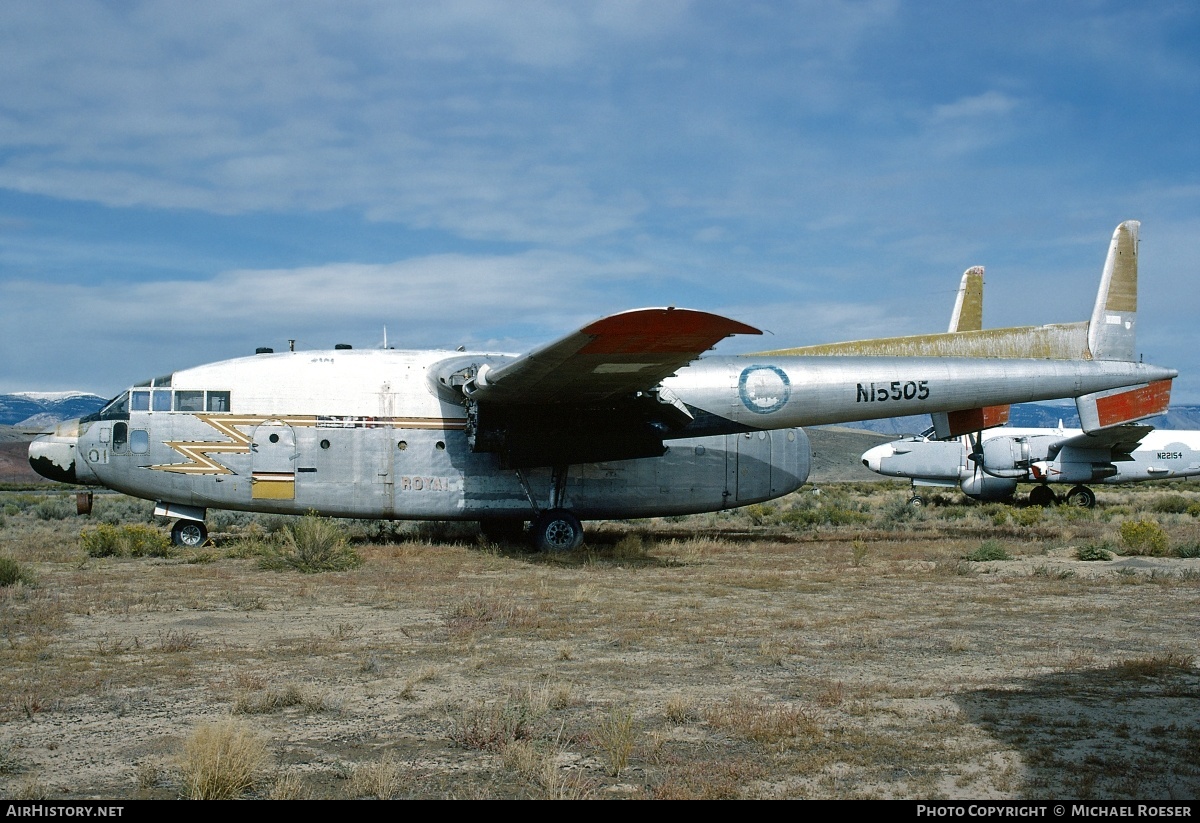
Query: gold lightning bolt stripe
x: 197, y: 451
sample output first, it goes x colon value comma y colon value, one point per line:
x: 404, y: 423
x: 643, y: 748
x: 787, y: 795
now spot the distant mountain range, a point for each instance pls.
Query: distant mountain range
x: 38, y: 410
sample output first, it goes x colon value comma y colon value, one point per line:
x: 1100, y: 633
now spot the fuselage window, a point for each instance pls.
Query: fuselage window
x: 120, y: 436
x: 218, y: 401
x: 139, y: 441
x: 139, y: 400
x: 189, y: 401
x: 161, y: 400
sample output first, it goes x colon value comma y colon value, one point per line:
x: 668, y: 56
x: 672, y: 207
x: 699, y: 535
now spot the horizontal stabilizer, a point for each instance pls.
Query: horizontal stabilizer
x: 967, y: 421
x: 1124, y: 405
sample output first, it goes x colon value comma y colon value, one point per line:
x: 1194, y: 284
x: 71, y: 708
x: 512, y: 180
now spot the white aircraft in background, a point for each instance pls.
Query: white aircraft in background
x: 623, y: 418
x: 991, y: 467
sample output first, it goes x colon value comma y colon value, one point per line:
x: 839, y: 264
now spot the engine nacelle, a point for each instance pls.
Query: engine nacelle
x: 981, y: 486
x: 1013, y: 457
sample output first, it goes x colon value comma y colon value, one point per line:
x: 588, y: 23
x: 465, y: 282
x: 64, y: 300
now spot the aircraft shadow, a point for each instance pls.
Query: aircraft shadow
x: 1127, y: 732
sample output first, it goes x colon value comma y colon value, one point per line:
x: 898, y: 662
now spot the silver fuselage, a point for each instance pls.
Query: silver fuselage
x: 369, y: 434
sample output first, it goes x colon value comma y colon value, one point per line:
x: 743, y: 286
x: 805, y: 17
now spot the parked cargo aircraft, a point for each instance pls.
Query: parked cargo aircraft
x: 623, y: 418
x: 991, y: 467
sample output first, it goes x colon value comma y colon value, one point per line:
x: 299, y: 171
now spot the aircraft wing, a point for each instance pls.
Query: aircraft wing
x: 617, y: 355
x: 1119, y: 440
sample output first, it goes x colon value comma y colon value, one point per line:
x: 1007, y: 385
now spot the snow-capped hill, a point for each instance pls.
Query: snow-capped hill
x: 41, y: 409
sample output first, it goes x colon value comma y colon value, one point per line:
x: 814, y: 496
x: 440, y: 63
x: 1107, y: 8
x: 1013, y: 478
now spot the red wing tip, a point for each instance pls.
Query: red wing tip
x: 668, y: 320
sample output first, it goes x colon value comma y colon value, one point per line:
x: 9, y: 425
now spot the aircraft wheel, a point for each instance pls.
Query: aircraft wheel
x: 557, y: 530
x: 916, y: 501
x: 502, y: 530
x: 190, y: 534
x: 1042, y: 496
x: 1082, y: 497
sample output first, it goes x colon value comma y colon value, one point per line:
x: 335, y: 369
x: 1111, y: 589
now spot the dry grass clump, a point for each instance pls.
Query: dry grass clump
x: 288, y: 786
x: 540, y: 770
x: 1172, y: 661
x: 490, y: 726
x: 681, y: 709
x: 222, y: 760
x: 754, y: 719
x: 276, y: 699
x: 380, y: 780
x: 616, y: 736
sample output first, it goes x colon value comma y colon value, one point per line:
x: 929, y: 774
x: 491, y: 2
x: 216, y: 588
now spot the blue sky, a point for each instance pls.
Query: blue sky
x: 183, y: 182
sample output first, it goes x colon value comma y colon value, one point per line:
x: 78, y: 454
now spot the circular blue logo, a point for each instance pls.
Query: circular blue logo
x: 764, y: 389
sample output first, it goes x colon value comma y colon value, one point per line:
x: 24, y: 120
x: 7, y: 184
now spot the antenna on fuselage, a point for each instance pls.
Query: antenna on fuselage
x: 291, y: 345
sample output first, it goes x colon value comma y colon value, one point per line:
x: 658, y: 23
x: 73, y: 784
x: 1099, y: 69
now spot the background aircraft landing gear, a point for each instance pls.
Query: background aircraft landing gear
x: 556, y: 530
x: 1042, y: 496
x: 916, y: 501
x: 190, y: 534
x: 1082, y: 497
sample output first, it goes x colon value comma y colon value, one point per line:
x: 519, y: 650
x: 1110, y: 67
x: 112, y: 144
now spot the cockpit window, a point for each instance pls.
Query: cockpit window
x: 163, y: 382
x: 117, y: 408
x: 139, y: 400
x: 218, y: 401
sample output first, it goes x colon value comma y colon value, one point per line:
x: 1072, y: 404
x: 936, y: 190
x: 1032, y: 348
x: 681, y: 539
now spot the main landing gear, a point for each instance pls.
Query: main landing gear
x: 1081, y: 497
x: 1042, y: 496
x: 554, y: 529
x: 190, y: 534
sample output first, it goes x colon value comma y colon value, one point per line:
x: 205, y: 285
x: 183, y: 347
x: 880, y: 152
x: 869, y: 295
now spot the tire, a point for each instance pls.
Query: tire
x: 1042, y: 496
x: 190, y: 534
x: 557, y: 530
x: 916, y: 501
x: 1081, y: 497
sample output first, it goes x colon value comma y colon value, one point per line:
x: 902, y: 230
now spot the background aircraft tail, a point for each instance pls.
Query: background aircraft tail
x: 968, y: 306
x: 1114, y: 319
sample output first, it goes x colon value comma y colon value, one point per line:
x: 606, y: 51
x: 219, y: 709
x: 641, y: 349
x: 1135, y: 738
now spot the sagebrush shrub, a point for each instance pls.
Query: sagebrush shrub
x: 11, y: 572
x: 989, y: 550
x: 313, y: 544
x: 1092, y: 553
x: 134, y: 540
x: 1144, y: 537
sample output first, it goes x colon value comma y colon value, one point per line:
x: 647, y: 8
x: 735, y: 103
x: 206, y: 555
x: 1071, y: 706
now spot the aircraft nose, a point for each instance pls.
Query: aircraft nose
x: 872, y: 458
x: 53, y: 455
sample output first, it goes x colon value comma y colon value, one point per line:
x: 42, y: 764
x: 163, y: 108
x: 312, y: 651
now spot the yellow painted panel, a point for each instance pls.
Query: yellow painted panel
x: 273, y: 490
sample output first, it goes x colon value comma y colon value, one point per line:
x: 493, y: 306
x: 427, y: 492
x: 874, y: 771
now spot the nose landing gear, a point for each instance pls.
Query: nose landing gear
x: 190, y: 534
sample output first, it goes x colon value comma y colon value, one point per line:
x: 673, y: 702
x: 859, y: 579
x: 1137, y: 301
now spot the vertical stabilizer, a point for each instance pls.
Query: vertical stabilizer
x: 968, y: 316
x: 1114, y: 320
x: 968, y: 306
